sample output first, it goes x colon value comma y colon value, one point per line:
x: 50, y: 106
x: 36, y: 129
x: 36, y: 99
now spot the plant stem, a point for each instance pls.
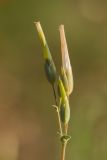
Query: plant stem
x: 64, y: 143
x: 63, y: 150
x: 59, y: 120
x: 66, y: 128
x: 53, y: 87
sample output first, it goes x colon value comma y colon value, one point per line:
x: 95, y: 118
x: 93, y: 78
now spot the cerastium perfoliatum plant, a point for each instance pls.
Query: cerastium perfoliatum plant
x: 62, y: 85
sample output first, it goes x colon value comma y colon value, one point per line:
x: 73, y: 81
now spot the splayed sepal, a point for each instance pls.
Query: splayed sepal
x: 65, y: 138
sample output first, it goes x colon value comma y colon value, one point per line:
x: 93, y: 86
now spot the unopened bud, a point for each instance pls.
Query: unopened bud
x: 64, y: 105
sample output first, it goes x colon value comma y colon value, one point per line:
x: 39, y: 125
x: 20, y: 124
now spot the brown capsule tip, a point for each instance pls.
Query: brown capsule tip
x: 61, y: 27
x: 38, y: 26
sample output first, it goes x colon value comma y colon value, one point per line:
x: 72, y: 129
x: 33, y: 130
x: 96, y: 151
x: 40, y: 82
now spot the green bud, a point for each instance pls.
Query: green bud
x: 50, y: 68
x: 65, y: 111
x: 64, y: 104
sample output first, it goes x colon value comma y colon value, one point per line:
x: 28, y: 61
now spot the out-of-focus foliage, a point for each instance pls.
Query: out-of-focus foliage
x: 27, y: 122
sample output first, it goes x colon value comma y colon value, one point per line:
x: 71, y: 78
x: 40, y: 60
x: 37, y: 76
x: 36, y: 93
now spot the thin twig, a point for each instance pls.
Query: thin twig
x: 53, y: 87
x: 63, y: 150
x: 59, y: 120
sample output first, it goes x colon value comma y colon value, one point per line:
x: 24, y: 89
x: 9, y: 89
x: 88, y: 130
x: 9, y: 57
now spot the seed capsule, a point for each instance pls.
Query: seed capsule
x: 50, y: 71
x: 66, y: 61
x: 50, y: 68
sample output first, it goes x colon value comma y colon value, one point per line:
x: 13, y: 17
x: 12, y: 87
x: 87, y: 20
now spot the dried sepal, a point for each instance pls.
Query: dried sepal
x: 66, y: 65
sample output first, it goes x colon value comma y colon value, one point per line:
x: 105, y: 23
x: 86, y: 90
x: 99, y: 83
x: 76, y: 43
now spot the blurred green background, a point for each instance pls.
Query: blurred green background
x: 28, y: 124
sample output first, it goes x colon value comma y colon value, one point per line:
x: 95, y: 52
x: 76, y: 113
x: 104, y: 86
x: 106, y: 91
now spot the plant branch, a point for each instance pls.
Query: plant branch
x: 57, y: 109
x: 53, y: 87
x: 63, y: 150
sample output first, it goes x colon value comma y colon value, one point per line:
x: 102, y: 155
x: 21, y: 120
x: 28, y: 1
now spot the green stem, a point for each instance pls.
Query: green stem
x: 53, y: 87
x: 63, y: 150
x: 64, y: 143
x: 66, y: 128
x: 59, y: 120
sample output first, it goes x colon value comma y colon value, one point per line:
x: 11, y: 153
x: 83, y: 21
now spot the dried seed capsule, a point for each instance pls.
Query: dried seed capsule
x: 65, y: 60
x: 50, y: 68
x: 64, y: 105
